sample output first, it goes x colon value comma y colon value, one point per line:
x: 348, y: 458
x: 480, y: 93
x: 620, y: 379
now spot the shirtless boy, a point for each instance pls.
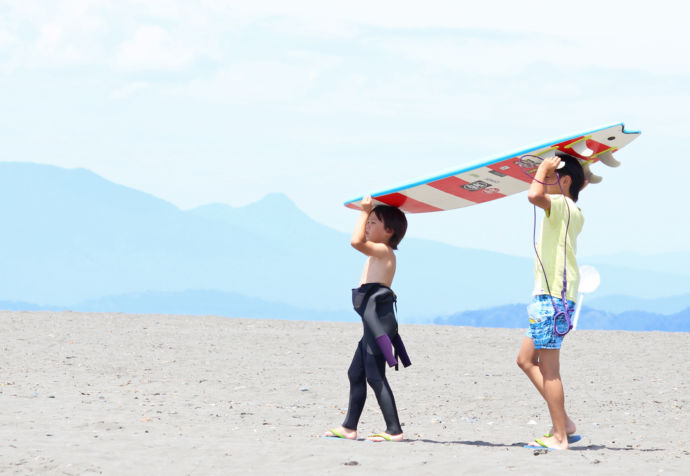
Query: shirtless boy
x: 377, y: 233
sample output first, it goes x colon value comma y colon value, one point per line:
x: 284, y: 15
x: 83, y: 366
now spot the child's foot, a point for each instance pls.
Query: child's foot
x: 379, y: 437
x: 342, y: 432
x: 549, y: 443
x: 570, y: 428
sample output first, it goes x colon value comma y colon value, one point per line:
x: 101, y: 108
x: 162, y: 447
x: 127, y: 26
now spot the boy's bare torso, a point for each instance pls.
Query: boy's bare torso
x: 379, y: 270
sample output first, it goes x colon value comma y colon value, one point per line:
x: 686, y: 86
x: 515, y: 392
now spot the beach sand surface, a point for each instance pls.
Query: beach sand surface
x: 125, y: 394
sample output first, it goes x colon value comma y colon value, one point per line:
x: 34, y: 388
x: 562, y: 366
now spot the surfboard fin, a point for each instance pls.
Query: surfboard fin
x: 607, y: 158
x: 591, y: 178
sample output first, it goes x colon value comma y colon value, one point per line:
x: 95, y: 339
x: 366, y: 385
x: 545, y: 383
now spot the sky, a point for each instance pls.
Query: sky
x: 224, y: 102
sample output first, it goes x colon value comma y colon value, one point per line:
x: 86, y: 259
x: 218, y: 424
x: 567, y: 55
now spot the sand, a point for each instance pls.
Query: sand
x: 150, y: 394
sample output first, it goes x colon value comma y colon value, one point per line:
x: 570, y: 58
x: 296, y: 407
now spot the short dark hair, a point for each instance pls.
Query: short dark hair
x: 393, y: 219
x: 573, y: 169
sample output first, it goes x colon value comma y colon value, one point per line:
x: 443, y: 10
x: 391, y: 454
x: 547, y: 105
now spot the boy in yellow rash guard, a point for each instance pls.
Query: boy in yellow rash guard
x: 550, y: 248
x: 555, y: 190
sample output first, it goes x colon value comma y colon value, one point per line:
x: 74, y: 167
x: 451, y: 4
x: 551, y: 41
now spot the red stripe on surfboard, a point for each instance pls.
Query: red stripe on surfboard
x: 406, y: 203
x: 454, y: 186
x: 566, y: 147
x: 511, y: 168
x: 597, y: 147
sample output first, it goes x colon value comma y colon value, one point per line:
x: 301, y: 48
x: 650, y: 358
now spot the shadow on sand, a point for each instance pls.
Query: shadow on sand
x: 573, y: 447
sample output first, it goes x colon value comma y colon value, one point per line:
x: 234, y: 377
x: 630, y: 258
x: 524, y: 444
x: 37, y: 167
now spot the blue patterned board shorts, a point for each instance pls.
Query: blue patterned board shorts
x: 540, y: 311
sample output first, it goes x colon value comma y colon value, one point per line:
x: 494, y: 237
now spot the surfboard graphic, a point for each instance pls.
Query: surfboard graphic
x: 499, y: 177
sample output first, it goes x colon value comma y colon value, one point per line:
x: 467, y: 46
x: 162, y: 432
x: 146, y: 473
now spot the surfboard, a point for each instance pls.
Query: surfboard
x: 498, y: 177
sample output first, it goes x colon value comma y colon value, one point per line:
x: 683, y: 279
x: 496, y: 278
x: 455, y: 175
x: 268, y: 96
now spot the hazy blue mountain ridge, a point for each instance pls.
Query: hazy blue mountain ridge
x: 75, y: 240
x: 515, y: 316
x: 76, y: 236
x: 673, y: 263
x: 201, y: 302
x: 617, y: 303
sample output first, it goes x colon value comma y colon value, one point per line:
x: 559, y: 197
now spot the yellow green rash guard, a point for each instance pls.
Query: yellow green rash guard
x: 550, y: 248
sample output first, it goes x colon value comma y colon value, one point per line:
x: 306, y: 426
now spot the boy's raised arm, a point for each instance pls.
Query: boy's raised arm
x: 546, y: 173
x: 359, y: 236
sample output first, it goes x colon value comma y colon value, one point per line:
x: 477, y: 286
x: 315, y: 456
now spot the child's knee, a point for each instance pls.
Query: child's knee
x: 520, y: 362
x: 355, y: 375
x: 523, y: 362
x: 375, y: 382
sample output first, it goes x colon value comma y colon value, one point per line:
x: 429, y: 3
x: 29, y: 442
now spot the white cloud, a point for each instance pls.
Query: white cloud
x: 129, y: 89
x: 612, y: 34
x: 6, y: 39
x: 152, y: 48
x: 52, y: 46
x: 254, y: 82
x: 50, y: 34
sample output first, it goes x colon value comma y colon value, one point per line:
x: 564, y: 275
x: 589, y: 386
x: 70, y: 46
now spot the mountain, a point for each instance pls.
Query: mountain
x: 75, y: 236
x: 23, y: 306
x: 73, y: 239
x: 515, y: 316
x: 618, y: 303
x: 677, y: 263
x: 199, y: 302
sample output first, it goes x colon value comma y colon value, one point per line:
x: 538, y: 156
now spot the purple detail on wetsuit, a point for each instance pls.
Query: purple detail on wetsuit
x: 386, y: 347
x: 402, y: 352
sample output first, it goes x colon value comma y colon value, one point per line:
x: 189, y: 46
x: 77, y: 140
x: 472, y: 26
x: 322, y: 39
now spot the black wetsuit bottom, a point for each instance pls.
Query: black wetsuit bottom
x: 364, y: 368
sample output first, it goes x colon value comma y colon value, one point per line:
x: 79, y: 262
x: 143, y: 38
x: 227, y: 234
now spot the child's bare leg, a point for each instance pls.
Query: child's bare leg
x: 528, y: 361
x: 549, y: 364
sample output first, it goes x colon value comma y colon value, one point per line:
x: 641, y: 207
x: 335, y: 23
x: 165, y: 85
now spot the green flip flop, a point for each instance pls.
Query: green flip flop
x: 384, y: 437
x: 572, y: 438
x: 542, y: 446
x: 336, y: 435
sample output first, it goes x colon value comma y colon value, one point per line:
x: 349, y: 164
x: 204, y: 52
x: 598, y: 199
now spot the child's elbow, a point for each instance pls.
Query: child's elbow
x: 359, y: 245
x: 539, y: 200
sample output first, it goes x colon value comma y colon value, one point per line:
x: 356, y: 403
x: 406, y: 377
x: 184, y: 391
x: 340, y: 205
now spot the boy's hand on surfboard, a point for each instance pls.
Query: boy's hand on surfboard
x: 549, y: 166
x: 366, y: 204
